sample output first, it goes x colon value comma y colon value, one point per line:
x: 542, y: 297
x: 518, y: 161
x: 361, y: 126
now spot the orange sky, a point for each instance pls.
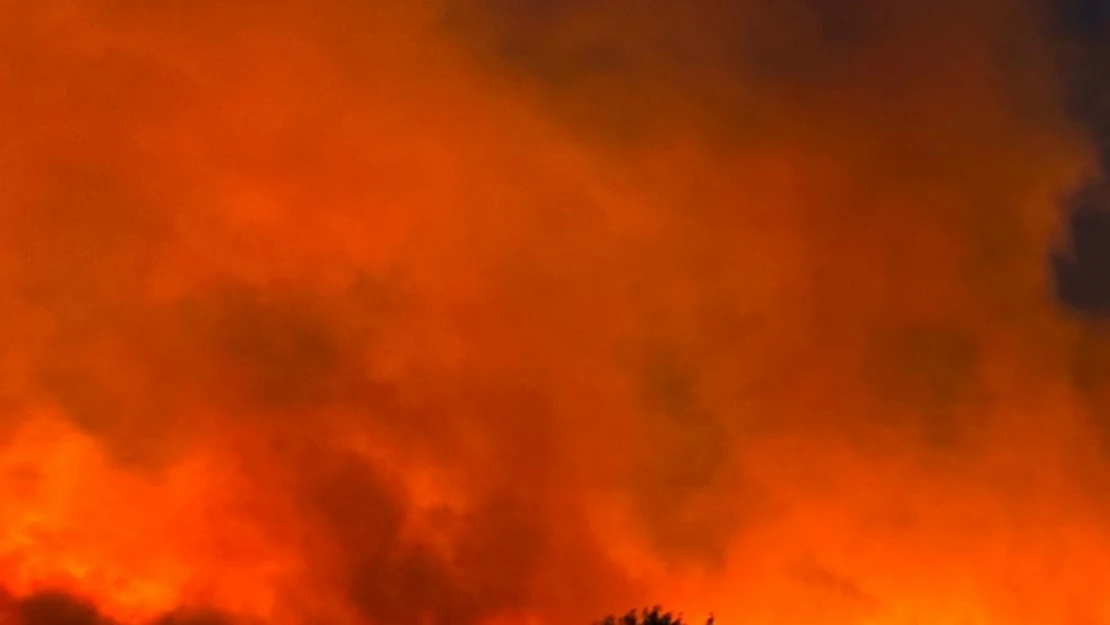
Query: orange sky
x: 474, y: 311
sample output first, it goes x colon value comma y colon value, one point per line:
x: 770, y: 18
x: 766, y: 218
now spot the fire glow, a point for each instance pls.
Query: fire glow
x: 489, y: 312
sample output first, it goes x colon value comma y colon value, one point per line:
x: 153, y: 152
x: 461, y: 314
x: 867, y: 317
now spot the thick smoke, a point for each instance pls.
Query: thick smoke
x: 1080, y: 267
x: 50, y: 607
x: 489, y: 312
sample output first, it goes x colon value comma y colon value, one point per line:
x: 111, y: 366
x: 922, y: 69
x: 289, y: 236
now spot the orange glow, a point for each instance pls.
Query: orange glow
x: 483, y: 313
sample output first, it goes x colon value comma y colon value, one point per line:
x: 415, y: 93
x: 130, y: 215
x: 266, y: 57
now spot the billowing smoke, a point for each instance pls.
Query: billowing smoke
x: 1080, y: 264
x: 481, y: 312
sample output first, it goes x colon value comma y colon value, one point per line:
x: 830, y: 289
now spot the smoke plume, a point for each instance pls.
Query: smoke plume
x: 492, y: 311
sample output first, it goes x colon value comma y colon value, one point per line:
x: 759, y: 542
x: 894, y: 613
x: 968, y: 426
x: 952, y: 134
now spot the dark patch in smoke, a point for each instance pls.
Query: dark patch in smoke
x: 686, y: 470
x: 286, y: 351
x: 811, y: 572
x: 389, y: 580
x: 925, y: 370
x: 631, y: 70
x: 1085, y: 18
x: 57, y: 608
x: 500, y: 547
x: 1082, y: 269
x: 194, y: 617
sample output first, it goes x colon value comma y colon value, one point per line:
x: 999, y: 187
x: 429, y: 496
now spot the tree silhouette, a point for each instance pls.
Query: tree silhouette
x: 648, y: 616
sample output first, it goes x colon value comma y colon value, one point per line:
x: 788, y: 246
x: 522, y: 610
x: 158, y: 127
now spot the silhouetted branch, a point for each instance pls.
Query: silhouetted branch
x: 648, y: 616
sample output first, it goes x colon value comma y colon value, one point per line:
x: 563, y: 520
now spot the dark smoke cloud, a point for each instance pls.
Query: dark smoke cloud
x: 52, y: 607
x: 1080, y: 266
x: 1080, y: 270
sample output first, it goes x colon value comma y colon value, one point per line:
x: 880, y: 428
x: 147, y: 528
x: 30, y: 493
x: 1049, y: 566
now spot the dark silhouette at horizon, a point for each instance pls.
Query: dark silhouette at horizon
x: 649, y: 616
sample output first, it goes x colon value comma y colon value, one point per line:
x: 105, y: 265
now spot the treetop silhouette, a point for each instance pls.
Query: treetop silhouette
x: 648, y: 616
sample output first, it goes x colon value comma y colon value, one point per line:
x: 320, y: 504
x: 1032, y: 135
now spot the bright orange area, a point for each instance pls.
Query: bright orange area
x: 433, y: 312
